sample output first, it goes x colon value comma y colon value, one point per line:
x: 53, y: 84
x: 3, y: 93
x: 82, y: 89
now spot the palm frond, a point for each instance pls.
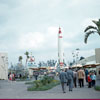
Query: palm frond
x: 87, y: 35
x: 97, y: 23
x: 99, y: 33
x: 90, y: 27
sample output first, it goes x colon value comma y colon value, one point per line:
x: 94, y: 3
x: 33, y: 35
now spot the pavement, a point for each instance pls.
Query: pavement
x: 18, y: 90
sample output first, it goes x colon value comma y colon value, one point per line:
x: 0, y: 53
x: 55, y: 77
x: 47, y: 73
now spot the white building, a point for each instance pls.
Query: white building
x: 88, y: 60
x: 92, y: 60
x: 4, y: 66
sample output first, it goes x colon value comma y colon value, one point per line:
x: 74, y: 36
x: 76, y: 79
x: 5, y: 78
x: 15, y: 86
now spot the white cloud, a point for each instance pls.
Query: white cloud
x: 35, y: 22
x: 3, y: 47
x: 74, y: 3
x: 70, y: 35
x: 67, y: 44
x: 37, y: 40
x: 51, y: 37
x: 88, y: 21
x: 54, y: 3
x: 31, y: 40
x: 87, y: 53
x: 52, y: 30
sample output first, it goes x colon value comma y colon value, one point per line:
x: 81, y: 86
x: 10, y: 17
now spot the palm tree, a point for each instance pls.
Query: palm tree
x: 27, y: 57
x: 92, y: 29
x: 89, y: 30
x: 20, y: 59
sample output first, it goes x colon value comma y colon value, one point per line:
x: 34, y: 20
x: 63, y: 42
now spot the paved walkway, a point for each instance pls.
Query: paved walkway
x: 18, y: 90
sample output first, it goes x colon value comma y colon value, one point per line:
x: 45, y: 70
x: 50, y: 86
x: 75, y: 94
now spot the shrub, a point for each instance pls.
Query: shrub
x: 37, y: 83
x: 46, y: 80
x: 50, y: 79
x: 42, y: 87
x: 97, y: 88
x: 45, y: 83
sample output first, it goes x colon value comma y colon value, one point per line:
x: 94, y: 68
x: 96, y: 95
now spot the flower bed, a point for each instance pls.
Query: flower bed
x: 43, y: 84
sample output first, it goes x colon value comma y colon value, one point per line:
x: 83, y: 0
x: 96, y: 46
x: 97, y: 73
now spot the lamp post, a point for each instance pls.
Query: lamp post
x: 75, y: 55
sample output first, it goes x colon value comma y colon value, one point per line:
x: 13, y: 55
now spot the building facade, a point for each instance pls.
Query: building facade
x: 92, y: 60
x: 4, y: 66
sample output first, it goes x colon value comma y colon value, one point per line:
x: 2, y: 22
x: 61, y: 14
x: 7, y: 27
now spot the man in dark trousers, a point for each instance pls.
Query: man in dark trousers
x: 81, y: 76
x: 63, y: 80
x: 70, y: 78
x: 36, y: 75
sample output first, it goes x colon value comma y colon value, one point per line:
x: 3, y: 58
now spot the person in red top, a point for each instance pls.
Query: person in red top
x: 89, y: 80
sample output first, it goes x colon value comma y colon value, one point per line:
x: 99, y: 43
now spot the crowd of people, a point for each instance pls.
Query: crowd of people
x: 13, y: 76
x: 69, y: 77
x: 74, y: 78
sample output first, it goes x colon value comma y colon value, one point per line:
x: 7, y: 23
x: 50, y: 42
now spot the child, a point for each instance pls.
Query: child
x: 93, y: 79
x: 89, y: 80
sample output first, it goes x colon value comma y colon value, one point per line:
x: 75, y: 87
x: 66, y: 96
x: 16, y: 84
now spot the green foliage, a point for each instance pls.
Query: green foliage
x: 92, y: 29
x: 20, y: 58
x: 97, y: 23
x: 24, y: 77
x: 44, y: 87
x: 27, y: 54
x: 43, y: 84
x: 46, y: 80
x: 37, y: 84
x: 97, y: 88
x: 50, y: 79
x: 87, y: 35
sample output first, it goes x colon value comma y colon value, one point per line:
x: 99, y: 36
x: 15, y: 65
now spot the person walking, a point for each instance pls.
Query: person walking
x: 10, y: 78
x: 63, y: 80
x: 75, y: 78
x: 86, y: 75
x: 36, y: 75
x: 70, y: 78
x: 81, y: 76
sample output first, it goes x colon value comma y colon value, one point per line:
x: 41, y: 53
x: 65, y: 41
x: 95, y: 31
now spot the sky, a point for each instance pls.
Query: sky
x: 32, y: 25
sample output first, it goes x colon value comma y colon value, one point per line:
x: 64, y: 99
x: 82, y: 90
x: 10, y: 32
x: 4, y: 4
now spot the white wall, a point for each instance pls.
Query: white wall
x: 97, y: 53
x: 4, y: 66
x: 88, y: 60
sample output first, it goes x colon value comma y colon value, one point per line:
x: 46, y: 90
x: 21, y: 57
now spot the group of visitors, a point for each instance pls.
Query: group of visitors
x: 91, y: 79
x: 11, y: 76
x: 66, y: 78
x: 74, y: 78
